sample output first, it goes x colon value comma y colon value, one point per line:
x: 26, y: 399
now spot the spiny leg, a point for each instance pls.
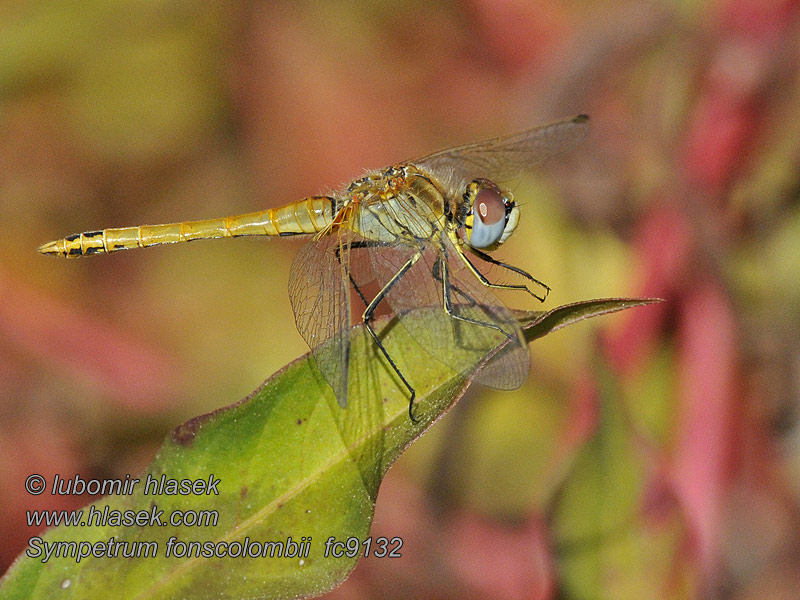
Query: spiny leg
x: 448, y: 302
x: 437, y: 275
x: 471, y: 302
x: 485, y: 257
x: 500, y: 286
x: 469, y: 299
x: 367, y: 316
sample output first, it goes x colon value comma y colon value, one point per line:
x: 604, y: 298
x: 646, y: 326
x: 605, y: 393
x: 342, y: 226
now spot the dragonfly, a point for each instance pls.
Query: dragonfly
x: 403, y: 238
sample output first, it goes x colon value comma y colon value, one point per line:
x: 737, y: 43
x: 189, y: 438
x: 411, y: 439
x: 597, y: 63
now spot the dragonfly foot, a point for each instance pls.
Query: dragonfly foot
x: 411, y: 407
x: 537, y: 296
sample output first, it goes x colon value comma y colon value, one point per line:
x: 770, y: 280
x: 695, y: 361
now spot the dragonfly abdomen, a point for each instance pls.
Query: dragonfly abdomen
x: 304, y: 217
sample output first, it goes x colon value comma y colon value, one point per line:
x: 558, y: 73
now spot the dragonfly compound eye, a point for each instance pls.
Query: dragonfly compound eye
x: 489, y: 220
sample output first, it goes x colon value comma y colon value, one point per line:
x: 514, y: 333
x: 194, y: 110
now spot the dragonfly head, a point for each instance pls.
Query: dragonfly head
x: 490, y: 214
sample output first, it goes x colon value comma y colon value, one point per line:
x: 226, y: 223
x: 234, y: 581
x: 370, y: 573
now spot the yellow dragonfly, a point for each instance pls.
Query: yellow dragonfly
x: 413, y: 232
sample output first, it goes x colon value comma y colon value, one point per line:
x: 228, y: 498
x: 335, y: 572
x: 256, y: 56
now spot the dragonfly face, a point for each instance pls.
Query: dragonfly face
x: 488, y: 215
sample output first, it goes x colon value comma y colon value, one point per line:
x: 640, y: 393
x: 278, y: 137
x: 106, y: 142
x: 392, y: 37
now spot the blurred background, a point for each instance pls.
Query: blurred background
x: 652, y: 454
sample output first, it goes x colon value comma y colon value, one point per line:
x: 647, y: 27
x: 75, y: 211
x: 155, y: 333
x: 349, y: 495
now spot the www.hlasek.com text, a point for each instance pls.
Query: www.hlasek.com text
x: 105, y: 516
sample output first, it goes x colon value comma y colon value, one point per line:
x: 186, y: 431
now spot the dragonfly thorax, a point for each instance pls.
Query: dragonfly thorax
x: 398, y: 204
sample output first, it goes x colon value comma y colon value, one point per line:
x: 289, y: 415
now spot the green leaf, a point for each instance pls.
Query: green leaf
x: 292, y: 467
x: 538, y: 325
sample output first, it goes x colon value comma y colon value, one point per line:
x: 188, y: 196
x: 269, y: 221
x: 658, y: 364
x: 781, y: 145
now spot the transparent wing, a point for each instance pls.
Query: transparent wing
x: 479, y: 325
x: 503, y: 158
x: 319, y: 293
x: 508, y: 361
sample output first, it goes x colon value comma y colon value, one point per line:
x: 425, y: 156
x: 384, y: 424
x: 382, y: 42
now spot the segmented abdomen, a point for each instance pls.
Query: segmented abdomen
x: 307, y: 216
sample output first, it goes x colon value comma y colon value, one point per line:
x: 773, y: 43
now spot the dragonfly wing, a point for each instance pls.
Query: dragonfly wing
x: 480, y: 326
x: 505, y: 349
x: 319, y: 293
x: 503, y: 158
x: 508, y: 361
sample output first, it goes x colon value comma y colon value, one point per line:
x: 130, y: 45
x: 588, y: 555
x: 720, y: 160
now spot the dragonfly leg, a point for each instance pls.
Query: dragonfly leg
x: 485, y: 257
x: 367, y: 316
x: 437, y: 275
x: 447, y: 287
x: 500, y: 286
